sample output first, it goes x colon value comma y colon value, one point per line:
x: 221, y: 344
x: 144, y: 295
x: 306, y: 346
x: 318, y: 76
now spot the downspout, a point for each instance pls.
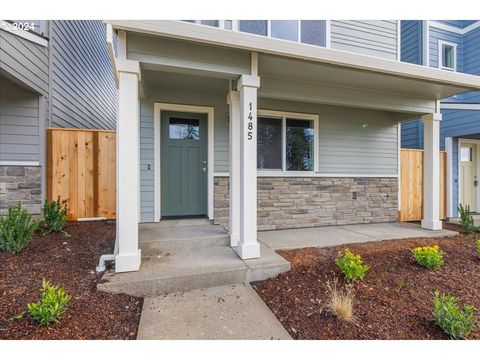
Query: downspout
x: 111, y: 53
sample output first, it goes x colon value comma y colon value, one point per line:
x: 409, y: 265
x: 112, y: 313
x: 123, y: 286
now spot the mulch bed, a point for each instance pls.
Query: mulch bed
x: 395, y: 299
x: 69, y: 262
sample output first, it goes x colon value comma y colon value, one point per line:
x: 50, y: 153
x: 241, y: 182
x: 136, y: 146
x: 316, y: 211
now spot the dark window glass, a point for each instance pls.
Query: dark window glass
x: 285, y: 29
x: 209, y: 22
x: 269, y: 143
x: 448, y: 56
x: 299, y: 143
x: 258, y: 27
x: 313, y: 32
x: 184, y: 129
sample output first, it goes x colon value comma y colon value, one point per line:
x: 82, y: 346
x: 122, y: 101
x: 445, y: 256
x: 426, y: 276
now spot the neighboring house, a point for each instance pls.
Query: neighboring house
x: 267, y: 125
x: 452, y: 46
x: 52, y: 74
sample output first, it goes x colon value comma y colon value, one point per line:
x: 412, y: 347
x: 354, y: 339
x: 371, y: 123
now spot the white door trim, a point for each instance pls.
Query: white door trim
x: 158, y: 108
x: 472, y: 141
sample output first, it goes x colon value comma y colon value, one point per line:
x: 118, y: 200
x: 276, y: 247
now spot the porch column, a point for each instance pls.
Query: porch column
x: 128, y: 131
x: 248, y: 247
x: 431, y: 172
x: 233, y: 100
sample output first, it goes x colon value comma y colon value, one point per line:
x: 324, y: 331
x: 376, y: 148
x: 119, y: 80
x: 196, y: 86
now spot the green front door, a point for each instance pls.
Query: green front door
x: 183, y: 164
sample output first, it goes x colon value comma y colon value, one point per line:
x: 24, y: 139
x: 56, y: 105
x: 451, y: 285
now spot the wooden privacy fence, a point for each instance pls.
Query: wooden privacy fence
x: 411, y: 185
x: 81, y: 171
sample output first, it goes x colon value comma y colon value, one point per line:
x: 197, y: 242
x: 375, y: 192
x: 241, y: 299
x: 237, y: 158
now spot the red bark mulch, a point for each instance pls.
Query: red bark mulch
x: 69, y: 262
x: 394, y: 301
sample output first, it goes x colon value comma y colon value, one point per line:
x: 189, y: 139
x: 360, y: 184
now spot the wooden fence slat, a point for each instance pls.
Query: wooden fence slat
x: 81, y: 171
x: 411, y: 185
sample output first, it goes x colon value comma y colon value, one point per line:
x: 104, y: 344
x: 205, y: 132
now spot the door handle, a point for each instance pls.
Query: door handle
x: 204, y: 169
x: 475, y: 183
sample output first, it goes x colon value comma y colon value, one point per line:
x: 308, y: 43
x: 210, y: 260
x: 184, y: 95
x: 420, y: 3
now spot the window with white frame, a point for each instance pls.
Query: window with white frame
x: 447, y: 55
x: 286, y: 141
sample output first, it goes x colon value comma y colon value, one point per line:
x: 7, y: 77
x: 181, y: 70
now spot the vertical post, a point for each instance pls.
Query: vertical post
x: 248, y: 246
x: 431, y: 172
x: 233, y: 100
x: 449, y: 184
x: 128, y: 136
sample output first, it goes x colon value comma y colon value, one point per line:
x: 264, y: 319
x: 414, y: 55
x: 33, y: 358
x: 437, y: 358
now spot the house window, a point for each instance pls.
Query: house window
x: 466, y: 153
x: 185, y: 129
x: 286, y: 141
x: 258, y: 27
x: 447, y: 55
x: 284, y: 29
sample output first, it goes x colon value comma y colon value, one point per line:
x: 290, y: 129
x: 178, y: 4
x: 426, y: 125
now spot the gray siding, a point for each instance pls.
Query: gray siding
x: 83, y: 87
x: 25, y: 61
x: 19, y: 135
x: 369, y: 37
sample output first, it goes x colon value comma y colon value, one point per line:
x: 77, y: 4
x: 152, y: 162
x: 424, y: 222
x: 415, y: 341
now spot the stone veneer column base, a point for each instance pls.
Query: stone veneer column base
x: 295, y: 202
x: 21, y: 183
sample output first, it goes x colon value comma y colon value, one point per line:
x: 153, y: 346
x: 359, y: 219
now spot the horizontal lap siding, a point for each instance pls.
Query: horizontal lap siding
x: 411, y: 40
x: 18, y: 123
x: 471, y: 60
x: 373, y: 37
x: 411, y: 135
x: 83, y: 87
x: 439, y: 34
x: 146, y: 158
x: 24, y: 60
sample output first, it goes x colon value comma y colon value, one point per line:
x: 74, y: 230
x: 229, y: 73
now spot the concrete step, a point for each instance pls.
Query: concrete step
x: 179, y: 271
x: 154, y: 239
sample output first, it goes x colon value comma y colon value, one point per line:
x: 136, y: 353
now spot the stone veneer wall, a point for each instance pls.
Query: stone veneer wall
x: 293, y: 202
x: 21, y: 183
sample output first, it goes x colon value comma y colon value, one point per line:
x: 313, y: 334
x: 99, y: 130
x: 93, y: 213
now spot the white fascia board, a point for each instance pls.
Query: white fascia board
x: 455, y: 106
x: 27, y: 35
x: 454, y: 29
x: 239, y: 40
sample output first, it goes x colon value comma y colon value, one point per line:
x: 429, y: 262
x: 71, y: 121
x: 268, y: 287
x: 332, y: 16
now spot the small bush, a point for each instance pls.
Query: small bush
x: 51, y: 306
x: 466, y: 219
x: 16, y: 229
x: 55, y: 216
x: 430, y: 257
x: 455, y: 321
x: 351, y: 266
x: 340, y: 303
x: 477, y: 245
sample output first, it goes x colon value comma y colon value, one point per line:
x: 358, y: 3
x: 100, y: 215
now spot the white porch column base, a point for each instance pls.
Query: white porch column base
x: 128, y: 256
x: 128, y: 262
x: 233, y: 100
x: 431, y: 172
x: 248, y: 246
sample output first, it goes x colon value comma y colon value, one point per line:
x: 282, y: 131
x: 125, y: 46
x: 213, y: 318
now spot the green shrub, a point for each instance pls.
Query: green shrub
x: 351, y: 266
x: 477, y: 245
x: 455, y: 321
x: 51, y: 306
x: 430, y: 257
x: 466, y: 219
x: 16, y: 229
x: 55, y: 216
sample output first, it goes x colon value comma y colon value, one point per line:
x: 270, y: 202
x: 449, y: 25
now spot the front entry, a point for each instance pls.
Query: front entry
x: 183, y: 160
x: 468, y: 175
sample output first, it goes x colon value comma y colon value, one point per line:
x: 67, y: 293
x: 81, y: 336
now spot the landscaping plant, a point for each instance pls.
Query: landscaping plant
x: 455, y: 321
x: 351, y: 265
x: 55, y: 216
x: 16, y: 229
x: 430, y: 257
x: 477, y: 245
x: 51, y: 305
x: 340, y: 303
x: 466, y: 219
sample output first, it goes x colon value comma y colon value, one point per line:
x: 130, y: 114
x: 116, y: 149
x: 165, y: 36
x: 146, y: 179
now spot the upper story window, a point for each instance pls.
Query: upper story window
x: 311, y: 32
x: 447, y: 55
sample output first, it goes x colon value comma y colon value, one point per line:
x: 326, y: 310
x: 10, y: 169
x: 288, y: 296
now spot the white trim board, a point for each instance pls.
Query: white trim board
x: 449, y: 150
x: 460, y: 106
x: 27, y: 35
x: 158, y: 108
x: 454, y: 29
x: 19, y: 163
x: 440, y: 54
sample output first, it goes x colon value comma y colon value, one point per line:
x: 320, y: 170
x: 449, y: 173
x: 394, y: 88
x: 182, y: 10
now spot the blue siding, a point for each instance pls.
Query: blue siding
x: 411, y: 135
x: 471, y: 60
x: 411, y: 41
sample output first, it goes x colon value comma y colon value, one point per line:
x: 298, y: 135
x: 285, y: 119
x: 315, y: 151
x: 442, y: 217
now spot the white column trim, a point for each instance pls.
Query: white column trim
x: 233, y: 100
x: 399, y: 40
x: 158, y: 108
x: 426, y: 42
x: 328, y: 35
x: 449, y: 150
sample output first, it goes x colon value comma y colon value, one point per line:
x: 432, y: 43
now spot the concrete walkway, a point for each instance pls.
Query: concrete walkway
x: 347, y: 234
x: 232, y: 312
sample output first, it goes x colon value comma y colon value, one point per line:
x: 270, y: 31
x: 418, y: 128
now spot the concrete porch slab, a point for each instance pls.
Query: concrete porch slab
x: 219, y: 313
x: 347, y: 234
